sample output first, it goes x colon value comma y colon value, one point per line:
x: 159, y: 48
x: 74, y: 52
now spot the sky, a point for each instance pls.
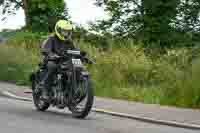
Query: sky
x: 81, y: 12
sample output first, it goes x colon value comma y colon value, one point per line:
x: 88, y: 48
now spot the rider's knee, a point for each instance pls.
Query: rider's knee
x: 52, y: 65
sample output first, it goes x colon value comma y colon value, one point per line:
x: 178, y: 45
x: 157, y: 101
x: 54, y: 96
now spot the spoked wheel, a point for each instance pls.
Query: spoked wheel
x: 83, y: 99
x: 40, y: 105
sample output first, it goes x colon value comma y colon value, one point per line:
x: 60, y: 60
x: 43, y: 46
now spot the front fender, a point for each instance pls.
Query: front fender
x: 85, y: 74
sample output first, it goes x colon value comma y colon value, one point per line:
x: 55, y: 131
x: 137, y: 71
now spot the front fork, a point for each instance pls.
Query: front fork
x: 75, y: 77
x: 73, y: 86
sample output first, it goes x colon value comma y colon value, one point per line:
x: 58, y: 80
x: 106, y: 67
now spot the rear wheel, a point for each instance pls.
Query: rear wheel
x: 84, y: 98
x: 40, y: 105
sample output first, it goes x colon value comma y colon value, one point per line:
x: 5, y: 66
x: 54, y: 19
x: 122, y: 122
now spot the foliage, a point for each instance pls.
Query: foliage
x: 9, y: 7
x: 168, y: 80
x: 81, y: 34
x: 188, y: 16
x: 28, y: 40
x: 158, y: 23
x: 45, y: 13
x: 17, y: 62
x: 123, y: 72
x: 41, y: 15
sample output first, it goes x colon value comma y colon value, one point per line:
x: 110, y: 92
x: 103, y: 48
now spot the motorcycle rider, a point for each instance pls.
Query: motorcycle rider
x: 51, y: 48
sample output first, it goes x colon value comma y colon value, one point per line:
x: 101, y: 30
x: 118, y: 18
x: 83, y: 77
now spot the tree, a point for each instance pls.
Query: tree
x: 157, y: 19
x: 188, y: 17
x: 40, y: 15
x: 147, y: 20
x: 45, y: 13
x: 125, y: 16
x: 9, y: 7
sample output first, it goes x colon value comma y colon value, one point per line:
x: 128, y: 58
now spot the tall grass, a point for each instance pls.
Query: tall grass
x: 16, y: 64
x: 124, y: 72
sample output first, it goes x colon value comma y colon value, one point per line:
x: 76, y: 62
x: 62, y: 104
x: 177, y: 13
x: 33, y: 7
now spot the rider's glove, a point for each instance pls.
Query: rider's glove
x: 83, y: 53
x: 54, y: 56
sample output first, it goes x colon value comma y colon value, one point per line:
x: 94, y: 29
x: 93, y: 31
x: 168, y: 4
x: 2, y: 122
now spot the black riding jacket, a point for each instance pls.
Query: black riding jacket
x: 53, y: 45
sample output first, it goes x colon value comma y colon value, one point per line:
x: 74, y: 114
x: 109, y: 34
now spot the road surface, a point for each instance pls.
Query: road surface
x: 21, y: 117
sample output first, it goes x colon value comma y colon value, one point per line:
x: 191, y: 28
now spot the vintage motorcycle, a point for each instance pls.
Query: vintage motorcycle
x: 71, y: 86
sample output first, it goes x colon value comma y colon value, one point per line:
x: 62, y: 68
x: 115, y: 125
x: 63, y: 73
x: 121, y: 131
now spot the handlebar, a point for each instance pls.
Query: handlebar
x: 68, y: 53
x: 89, y: 61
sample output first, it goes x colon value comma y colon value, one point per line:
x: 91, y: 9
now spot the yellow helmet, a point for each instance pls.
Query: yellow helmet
x: 63, y: 30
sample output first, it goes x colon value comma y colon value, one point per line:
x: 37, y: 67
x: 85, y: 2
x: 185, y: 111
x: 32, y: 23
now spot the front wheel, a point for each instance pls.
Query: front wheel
x: 85, y: 93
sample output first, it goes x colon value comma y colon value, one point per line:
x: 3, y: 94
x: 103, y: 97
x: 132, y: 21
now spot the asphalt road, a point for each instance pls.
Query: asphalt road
x: 21, y: 117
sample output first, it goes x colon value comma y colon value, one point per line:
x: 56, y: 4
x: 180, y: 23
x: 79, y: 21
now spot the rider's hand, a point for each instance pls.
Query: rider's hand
x: 54, y: 56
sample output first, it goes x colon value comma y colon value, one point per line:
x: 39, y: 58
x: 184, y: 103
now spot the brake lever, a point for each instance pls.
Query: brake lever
x: 89, y: 61
x: 93, y: 62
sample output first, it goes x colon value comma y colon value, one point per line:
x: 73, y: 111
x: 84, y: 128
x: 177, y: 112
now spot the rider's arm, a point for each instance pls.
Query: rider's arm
x: 72, y: 46
x: 47, y: 47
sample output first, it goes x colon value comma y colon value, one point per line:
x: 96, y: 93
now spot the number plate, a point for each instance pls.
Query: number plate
x: 77, y: 62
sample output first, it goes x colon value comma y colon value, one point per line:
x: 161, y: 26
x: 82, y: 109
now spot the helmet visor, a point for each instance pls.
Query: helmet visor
x: 65, y: 33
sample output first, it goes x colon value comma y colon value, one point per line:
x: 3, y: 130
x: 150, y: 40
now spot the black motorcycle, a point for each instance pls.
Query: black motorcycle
x: 71, y: 86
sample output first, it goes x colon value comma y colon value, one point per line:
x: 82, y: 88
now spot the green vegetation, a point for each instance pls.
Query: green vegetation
x: 16, y: 64
x: 148, y: 52
x: 157, y: 23
x: 38, y: 13
x: 45, y: 13
x: 123, y: 72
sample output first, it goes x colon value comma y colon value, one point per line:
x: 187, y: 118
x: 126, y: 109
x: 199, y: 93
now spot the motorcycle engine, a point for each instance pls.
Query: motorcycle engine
x: 59, y: 97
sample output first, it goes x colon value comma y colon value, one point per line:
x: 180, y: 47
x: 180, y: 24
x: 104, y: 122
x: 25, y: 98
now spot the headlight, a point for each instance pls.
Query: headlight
x: 77, y: 62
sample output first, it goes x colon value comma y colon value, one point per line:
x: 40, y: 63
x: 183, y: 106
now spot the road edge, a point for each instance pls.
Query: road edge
x: 122, y: 115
